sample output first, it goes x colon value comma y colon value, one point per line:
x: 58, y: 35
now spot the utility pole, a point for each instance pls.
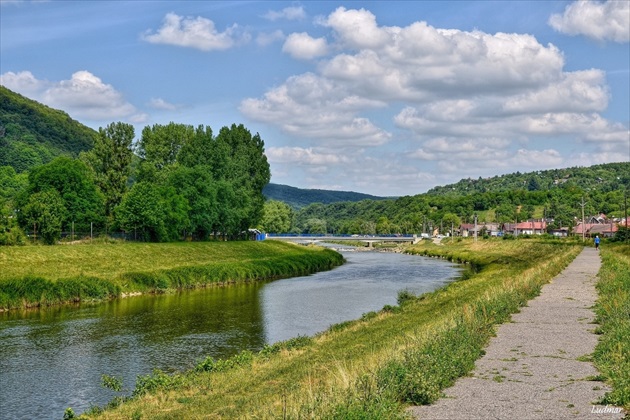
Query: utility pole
x: 583, y: 226
x: 475, y: 228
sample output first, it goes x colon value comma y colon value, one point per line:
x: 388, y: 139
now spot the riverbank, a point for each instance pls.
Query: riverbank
x: 372, y: 367
x: 33, y: 276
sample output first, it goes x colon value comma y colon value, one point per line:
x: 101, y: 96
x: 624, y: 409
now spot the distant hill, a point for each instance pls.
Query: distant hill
x: 604, y: 177
x: 298, y: 198
x: 32, y: 134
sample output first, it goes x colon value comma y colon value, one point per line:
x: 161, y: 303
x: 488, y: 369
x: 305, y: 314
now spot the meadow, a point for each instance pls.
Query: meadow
x: 48, y: 275
x: 372, y: 367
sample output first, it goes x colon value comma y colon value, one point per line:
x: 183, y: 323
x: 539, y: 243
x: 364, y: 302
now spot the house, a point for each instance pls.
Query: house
x: 468, y: 229
x: 599, y: 219
x: 603, y: 230
x: 560, y: 232
x: 529, y: 227
x: 583, y: 228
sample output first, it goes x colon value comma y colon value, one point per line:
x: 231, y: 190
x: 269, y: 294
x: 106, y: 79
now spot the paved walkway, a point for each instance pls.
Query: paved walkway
x: 530, y: 369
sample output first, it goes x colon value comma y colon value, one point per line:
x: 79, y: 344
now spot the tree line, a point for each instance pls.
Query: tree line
x: 554, y: 195
x: 176, y: 182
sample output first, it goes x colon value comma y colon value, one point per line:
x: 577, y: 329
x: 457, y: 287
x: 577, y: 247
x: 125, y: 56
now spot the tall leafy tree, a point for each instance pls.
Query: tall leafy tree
x: 153, y: 212
x: 111, y: 161
x: 159, y: 148
x: 200, y: 190
x: 243, y: 162
x: 45, y: 212
x: 73, y: 181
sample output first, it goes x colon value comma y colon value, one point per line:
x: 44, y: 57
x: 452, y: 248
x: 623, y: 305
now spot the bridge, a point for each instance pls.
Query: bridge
x: 369, y: 240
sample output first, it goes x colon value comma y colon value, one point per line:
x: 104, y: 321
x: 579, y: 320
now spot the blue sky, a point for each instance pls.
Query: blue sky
x: 381, y: 97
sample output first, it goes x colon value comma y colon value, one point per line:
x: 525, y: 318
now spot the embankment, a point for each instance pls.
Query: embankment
x: 39, y: 276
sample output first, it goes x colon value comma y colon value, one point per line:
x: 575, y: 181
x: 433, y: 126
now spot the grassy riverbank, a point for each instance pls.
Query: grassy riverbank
x: 368, y: 368
x: 39, y: 275
x: 612, y: 355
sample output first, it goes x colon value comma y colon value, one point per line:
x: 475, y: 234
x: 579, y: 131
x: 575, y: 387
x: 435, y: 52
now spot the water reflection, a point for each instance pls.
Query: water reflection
x: 53, y: 358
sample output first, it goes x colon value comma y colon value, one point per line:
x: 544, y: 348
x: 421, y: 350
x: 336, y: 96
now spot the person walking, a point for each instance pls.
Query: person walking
x: 597, y: 242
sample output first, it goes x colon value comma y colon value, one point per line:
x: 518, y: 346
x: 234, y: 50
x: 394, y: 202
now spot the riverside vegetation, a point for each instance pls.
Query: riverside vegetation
x: 375, y: 366
x: 612, y: 354
x: 38, y: 275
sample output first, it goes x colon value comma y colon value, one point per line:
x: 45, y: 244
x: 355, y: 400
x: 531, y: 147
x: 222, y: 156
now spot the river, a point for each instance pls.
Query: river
x: 53, y: 358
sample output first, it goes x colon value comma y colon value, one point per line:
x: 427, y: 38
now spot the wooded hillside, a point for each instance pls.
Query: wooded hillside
x: 32, y: 134
x: 298, y: 198
x: 554, y: 195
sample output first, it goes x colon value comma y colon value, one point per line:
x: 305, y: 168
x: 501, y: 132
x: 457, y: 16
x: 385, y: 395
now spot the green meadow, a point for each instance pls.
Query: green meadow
x: 31, y: 276
x: 372, y: 367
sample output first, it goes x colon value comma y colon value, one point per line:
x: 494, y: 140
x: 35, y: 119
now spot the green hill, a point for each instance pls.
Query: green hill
x: 605, y: 177
x: 554, y: 194
x: 298, y: 198
x: 32, y: 134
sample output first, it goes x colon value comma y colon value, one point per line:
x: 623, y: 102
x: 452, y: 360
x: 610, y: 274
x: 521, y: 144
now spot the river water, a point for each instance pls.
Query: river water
x: 54, y: 358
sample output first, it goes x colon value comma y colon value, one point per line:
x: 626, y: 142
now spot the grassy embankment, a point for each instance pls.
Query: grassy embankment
x: 47, y: 275
x: 368, y: 368
x: 612, y: 354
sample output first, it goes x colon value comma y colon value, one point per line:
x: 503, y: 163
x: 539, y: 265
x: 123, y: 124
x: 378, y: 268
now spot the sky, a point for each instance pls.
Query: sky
x: 380, y: 97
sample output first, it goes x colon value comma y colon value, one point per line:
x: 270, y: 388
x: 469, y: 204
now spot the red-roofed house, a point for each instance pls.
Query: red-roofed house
x: 526, y: 228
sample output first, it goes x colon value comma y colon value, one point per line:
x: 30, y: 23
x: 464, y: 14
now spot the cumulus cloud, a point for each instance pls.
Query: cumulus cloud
x: 602, y: 21
x: 303, y: 156
x: 267, y: 38
x: 288, y: 13
x: 443, y: 95
x: 84, y: 95
x: 23, y: 82
x: 304, y: 47
x: 308, y: 106
x: 195, y: 32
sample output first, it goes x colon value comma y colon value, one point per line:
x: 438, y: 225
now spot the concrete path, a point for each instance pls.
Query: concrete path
x: 530, y: 369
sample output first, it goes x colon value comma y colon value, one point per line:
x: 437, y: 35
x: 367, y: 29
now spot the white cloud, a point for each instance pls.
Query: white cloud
x: 83, y: 96
x: 195, y: 32
x: 267, y: 38
x: 304, y: 47
x: 303, y: 156
x: 357, y: 28
x: 465, y: 101
x: 603, y: 21
x: 288, y: 13
x: 159, y: 103
x: 580, y: 91
x: 311, y: 107
x: 23, y: 82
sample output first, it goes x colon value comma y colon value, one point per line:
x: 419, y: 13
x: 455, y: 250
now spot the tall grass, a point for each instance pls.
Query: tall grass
x: 612, y: 354
x: 375, y: 366
x: 34, y: 276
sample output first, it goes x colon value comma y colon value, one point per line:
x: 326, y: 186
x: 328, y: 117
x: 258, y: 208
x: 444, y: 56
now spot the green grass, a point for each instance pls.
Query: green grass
x: 37, y: 275
x: 375, y: 366
x: 612, y: 354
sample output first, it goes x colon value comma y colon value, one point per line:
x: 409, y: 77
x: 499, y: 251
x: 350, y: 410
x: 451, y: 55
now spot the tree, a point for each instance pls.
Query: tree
x: 240, y: 158
x: 277, y: 217
x: 72, y: 179
x: 152, y: 212
x: 111, y: 161
x: 45, y: 213
x: 451, y: 220
x: 159, y: 147
x: 200, y: 190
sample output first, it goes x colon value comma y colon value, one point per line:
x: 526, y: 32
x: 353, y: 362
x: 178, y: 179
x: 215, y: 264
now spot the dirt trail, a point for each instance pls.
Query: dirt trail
x: 531, y: 368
